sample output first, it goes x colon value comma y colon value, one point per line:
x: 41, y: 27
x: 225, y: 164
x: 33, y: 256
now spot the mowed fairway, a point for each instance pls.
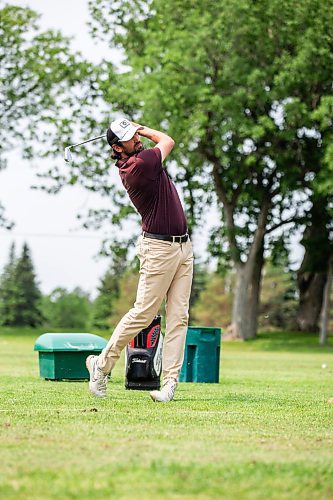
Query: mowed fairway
x: 265, y: 431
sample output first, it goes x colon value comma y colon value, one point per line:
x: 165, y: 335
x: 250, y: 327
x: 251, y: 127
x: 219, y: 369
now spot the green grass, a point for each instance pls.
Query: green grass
x: 266, y: 431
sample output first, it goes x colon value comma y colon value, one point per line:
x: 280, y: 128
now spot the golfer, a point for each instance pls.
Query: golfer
x: 164, y: 250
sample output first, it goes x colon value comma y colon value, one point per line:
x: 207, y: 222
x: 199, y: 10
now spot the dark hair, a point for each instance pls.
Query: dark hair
x: 113, y: 139
x: 115, y: 155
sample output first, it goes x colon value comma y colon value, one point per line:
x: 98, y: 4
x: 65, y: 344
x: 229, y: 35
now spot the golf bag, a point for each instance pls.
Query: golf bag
x: 144, y: 358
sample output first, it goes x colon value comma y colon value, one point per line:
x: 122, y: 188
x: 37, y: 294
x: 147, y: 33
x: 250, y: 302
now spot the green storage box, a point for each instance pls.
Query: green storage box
x: 63, y: 355
x: 202, y: 355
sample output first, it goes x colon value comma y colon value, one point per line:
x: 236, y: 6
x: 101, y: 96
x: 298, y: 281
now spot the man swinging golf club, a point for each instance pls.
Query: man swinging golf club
x: 164, y: 250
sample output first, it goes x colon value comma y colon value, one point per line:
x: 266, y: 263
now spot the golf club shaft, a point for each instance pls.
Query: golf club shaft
x: 89, y: 140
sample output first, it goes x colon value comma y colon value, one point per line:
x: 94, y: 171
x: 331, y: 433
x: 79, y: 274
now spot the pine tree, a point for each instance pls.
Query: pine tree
x: 27, y: 310
x: 109, y: 288
x: 8, y: 290
x: 108, y: 292
x: 19, y: 293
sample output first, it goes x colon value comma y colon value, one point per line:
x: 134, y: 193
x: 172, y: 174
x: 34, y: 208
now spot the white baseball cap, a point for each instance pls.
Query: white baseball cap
x: 120, y: 130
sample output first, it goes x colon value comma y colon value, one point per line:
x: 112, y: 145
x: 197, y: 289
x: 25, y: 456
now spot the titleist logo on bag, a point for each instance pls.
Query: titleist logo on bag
x: 144, y: 358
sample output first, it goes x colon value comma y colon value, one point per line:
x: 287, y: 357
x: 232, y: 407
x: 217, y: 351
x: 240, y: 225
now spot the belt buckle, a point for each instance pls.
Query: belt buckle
x: 179, y: 239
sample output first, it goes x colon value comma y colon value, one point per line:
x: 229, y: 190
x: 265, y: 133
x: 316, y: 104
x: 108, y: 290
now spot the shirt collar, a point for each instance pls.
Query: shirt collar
x: 121, y: 163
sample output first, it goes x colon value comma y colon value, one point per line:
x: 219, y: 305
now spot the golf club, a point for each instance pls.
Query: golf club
x: 68, y: 155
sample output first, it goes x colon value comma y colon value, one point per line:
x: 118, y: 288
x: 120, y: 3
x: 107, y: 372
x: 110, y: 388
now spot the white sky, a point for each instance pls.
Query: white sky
x: 63, y: 254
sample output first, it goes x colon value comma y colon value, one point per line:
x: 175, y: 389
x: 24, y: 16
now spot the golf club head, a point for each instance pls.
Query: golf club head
x: 67, y: 155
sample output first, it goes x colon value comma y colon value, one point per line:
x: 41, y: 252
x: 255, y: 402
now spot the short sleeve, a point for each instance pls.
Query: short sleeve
x: 149, y: 162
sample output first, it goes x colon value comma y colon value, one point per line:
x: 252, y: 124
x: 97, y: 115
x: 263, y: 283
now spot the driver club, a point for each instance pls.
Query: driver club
x: 68, y: 155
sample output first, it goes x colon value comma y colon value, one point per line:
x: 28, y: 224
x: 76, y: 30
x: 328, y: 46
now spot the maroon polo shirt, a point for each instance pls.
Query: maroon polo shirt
x: 153, y: 193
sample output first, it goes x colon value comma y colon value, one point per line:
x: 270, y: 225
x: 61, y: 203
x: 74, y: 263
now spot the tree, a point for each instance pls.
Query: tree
x: 64, y: 309
x: 314, y: 272
x: 278, y: 301
x: 44, y: 89
x: 200, y: 277
x: 19, y: 293
x: 325, y: 312
x: 214, y: 304
x: 109, y: 288
x: 27, y: 307
x: 8, y: 291
x: 108, y: 292
x: 237, y: 84
x: 312, y: 275
x: 128, y: 284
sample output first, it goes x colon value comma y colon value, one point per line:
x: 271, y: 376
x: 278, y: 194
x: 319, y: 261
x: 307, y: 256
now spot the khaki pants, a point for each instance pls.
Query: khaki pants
x: 166, y: 270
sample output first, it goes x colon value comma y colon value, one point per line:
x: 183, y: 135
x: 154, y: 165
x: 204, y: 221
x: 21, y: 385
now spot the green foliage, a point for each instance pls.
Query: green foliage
x: 8, y: 290
x: 234, y: 83
x: 19, y: 293
x: 318, y: 235
x: 214, y: 304
x: 110, y: 286
x: 40, y: 77
x: 218, y: 249
x: 313, y: 272
x: 64, y: 309
x: 45, y: 89
x: 279, y: 254
x: 278, y: 308
x: 117, y: 293
x: 245, y: 88
x: 108, y: 292
x: 323, y: 115
x: 200, y: 278
x: 4, y: 222
x: 29, y: 296
x: 127, y: 292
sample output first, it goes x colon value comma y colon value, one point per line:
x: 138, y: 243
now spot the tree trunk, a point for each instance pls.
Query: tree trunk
x: 247, y: 296
x: 247, y: 293
x: 311, y: 291
x: 255, y: 293
x: 325, y: 313
x: 312, y: 275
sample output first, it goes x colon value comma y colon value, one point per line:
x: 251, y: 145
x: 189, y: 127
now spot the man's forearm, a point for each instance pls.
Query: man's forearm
x: 154, y: 135
x: 163, y: 141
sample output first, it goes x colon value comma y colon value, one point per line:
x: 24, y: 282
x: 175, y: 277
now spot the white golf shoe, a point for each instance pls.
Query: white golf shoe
x: 167, y: 392
x: 98, y: 379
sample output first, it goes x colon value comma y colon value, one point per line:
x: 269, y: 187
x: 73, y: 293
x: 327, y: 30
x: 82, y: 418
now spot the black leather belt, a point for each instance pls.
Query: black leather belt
x: 174, y: 239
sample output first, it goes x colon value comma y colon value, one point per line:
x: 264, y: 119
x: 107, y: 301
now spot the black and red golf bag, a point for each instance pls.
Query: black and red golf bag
x: 144, y: 358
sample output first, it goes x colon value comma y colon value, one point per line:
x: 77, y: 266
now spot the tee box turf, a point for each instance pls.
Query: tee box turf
x: 62, y: 356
